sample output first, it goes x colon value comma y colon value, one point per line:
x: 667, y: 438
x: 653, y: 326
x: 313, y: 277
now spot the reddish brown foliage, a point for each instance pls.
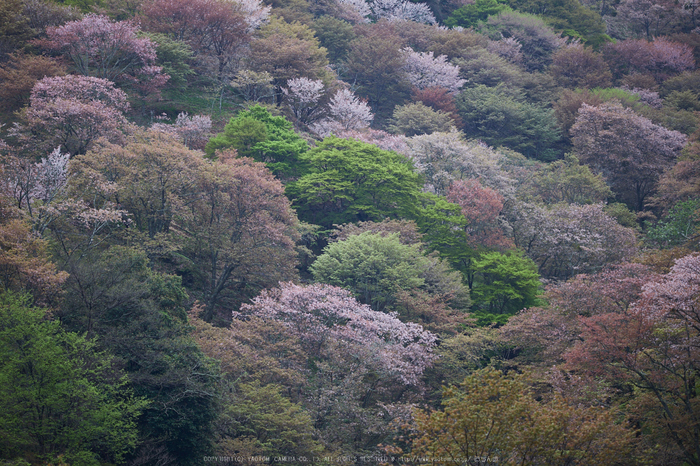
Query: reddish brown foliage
x: 653, y: 345
x: 576, y: 67
x: 24, y: 259
x: 439, y: 99
x: 482, y: 207
x: 210, y: 27
x: 19, y: 75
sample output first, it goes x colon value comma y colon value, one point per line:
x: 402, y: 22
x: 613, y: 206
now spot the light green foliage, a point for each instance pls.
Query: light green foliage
x: 622, y: 214
x: 491, y: 414
x: 502, y: 117
x: 568, y: 16
x: 241, y: 133
x: 173, y: 56
x: 352, y: 181
x: 416, y: 118
x: 678, y: 227
x: 258, y: 420
x: 335, y: 36
x: 256, y: 133
x: 479, y: 66
x: 472, y: 14
x: 568, y: 181
x: 607, y: 94
x: 59, y: 395
x: 376, y: 267
x: 505, y: 284
x: 372, y: 266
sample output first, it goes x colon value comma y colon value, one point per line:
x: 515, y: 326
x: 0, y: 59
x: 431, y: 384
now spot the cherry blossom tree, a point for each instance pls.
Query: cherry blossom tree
x: 355, y: 10
x: 661, y: 57
x: 352, y: 113
x: 72, y: 112
x: 403, y: 10
x: 255, y: 12
x: 360, y: 366
x: 443, y: 158
x: 193, y: 131
x: 104, y: 49
x: 326, y: 315
x: 565, y: 240
x: 425, y: 70
x: 629, y: 150
x: 393, y: 10
x: 303, y: 96
x: 347, y: 113
x: 645, y: 18
x: 508, y: 48
x: 33, y: 185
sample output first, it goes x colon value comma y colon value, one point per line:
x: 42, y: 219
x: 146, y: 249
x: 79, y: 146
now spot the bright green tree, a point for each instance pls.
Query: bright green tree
x: 444, y: 230
x: 472, y: 14
x: 568, y: 16
x: 680, y: 226
x: 376, y: 267
x: 416, y: 118
x: 256, y: 133
x: 505, y: 284
x: 60, y: 395
x: 352, y: 181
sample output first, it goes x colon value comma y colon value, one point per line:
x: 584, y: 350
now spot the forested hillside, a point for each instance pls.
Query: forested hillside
x: 348, y: 231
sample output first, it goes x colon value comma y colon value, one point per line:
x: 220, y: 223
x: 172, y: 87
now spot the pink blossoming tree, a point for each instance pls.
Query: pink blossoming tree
x: 72, y: 112
x: 109, y: 50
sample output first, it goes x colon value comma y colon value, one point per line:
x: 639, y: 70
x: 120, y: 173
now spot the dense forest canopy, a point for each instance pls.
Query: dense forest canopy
x: 317, y: 231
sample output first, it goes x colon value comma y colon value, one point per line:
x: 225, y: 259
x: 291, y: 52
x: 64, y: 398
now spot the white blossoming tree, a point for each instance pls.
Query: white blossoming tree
x: 424, y: 70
